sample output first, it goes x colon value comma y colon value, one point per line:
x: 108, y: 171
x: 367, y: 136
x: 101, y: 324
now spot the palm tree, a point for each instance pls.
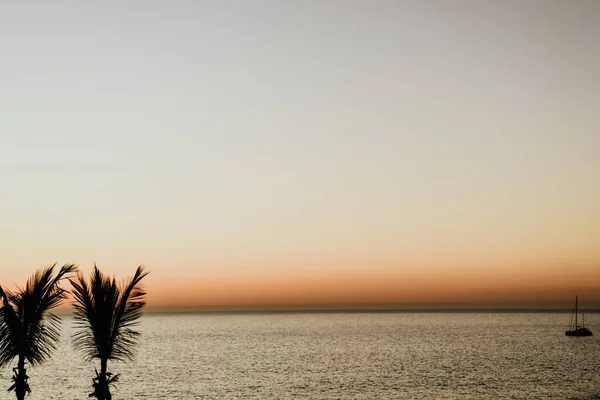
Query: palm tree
x: 105, y: 314
x: 28, y: 330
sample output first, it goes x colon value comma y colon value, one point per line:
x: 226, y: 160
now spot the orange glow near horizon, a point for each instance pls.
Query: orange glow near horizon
x: 465, y: 288
x: 509, y: 285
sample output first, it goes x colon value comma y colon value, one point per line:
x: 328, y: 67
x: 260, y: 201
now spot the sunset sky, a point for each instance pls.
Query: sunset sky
x: 304, y: 153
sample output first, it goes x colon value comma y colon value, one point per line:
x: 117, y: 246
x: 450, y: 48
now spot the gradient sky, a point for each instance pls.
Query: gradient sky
x: 307, y: 152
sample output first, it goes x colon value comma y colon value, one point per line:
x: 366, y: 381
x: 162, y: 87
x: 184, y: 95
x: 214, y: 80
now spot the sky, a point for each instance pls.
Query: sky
x: 307, y: 153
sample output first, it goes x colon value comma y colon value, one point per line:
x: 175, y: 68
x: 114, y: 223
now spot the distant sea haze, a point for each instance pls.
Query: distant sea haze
x: 366, y: 308
x: 376, y: 308
x: 544, y: 307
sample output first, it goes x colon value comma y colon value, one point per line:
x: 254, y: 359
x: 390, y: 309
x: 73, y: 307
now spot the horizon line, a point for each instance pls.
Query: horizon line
x: 345, y: 310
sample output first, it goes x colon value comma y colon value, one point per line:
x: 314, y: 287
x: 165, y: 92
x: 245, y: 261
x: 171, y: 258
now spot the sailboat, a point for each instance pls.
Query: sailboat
x: 574, y: 328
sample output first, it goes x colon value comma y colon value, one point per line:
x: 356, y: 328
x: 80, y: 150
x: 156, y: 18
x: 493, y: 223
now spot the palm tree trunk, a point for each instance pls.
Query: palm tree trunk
x: 102, y: 391
x: 21, y: 385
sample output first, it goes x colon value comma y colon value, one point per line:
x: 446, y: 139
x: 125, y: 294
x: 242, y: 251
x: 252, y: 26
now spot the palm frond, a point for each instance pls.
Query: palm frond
x: 85, y: 318
x: 27, y: 326
x: 128, y: 315
x: 105, y: 313
x: 10, y: 329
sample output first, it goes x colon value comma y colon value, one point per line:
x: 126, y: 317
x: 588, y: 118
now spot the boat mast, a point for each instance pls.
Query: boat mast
x: 576, y: 312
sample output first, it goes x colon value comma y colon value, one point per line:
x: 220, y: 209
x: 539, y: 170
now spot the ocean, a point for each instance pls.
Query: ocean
x: 339, y: 356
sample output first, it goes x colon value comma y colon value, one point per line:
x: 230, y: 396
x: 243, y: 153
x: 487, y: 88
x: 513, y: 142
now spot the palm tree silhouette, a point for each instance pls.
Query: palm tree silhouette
x: 105, y: 315
x: 28, y: 330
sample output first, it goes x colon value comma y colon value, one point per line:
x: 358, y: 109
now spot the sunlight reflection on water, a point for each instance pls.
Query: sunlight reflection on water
x: 333, y: 356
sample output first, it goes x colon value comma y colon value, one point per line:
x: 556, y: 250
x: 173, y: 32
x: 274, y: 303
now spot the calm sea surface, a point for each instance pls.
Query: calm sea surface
x: 340, y: 356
